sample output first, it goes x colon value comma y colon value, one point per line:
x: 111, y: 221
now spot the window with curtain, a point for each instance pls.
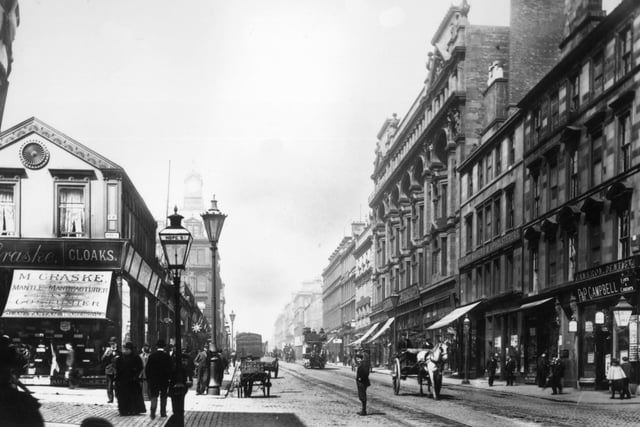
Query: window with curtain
x: 8, y: 210
x: 71, y: 212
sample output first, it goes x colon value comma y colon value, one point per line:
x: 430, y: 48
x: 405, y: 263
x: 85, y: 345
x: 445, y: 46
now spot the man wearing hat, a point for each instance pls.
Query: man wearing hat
x: 362, y: 379
x: 158, y: 371
x: 108, y: 360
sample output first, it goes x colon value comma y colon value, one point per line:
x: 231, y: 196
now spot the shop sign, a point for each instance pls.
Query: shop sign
x: 514, y: 341
x: 614, y: 285
x: 409, y: 294
x: 338, y: 340
x: 58, y: 294
x: 61, y: 254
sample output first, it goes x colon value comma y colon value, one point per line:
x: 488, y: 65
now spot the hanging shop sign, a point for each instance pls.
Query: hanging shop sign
x: 58, y: 294
x: 61, y: 254
x: 633, y: 338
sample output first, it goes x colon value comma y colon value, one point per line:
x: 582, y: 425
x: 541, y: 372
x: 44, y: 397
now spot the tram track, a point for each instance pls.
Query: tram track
x: 394, y: 413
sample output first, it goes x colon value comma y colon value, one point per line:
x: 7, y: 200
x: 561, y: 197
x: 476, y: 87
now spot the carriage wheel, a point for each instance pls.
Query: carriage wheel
x: 437, y: 379
x: 395, y: 376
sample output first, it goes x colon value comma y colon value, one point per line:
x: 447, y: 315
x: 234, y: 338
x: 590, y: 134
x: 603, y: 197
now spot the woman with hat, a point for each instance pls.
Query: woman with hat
x: 128, y: 390
x: 108, y: 360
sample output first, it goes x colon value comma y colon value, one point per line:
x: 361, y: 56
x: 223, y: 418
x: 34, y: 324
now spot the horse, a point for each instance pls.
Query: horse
x: 432, y: 361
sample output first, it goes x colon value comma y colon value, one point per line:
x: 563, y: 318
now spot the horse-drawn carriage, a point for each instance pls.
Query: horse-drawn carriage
x: 424, y: 364
x: 312, y: 352
x: 253, y: 374
x: 270, y: 365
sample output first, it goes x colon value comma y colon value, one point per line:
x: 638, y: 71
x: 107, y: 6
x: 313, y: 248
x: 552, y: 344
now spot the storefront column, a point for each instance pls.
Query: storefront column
x: 152, y: 315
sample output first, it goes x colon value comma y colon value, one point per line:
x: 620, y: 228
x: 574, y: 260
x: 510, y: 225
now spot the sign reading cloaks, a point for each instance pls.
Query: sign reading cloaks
x: 58, y: 294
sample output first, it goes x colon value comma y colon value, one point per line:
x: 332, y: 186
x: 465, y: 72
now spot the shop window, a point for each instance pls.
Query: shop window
x: 624, y: 140
x: 488, y: 216
x: 8, y: 209
x: 497, y: 217
x: 595, y: 242
x: 443, y: 257
x: 624, y: 240
x: 553, y: 106
x: 552, y: 256
x: 625, y: 43
x: 596, y: 157
x: 572, y: 250
x: 511, y: 146
x: 509, y: 208
x: 112, y: 208
x: 509, y: 276
x: 468, y: 227
x: 479, y: 227
x: 574, y: 175
x: 73, y: 210
x: 534, y: 267
x: 574, y: 89
x: 598, y: 74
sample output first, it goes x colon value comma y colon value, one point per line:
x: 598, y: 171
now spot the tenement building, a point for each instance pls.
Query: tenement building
x: 492, y: 187
x: 582, y: 158
x: 77, y: 255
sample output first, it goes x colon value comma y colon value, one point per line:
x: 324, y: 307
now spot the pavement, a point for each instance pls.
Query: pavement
x: 63, y: 407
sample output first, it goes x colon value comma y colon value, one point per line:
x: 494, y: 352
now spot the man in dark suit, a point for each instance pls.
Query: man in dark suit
x: 202, y: 369
x: 158, y: 371
x: 362, y: 379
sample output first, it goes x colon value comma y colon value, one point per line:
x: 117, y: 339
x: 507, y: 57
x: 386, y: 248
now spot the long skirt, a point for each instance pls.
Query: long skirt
x: 130, y: 400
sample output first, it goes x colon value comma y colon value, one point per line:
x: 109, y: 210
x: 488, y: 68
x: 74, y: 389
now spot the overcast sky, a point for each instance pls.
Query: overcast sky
x: 276, y: 103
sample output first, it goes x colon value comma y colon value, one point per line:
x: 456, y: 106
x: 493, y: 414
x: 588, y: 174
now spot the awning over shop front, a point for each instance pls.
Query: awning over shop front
x: 366, y: 334
x: 454, y: 315
x: 535, y: 303
x: 58, y: 294
x: 382, y: 330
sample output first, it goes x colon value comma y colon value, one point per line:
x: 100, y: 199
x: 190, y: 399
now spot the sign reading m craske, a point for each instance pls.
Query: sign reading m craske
x: 58, y: 294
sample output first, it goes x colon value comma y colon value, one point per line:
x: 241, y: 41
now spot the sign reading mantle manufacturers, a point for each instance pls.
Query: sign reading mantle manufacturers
x: 58, y: 294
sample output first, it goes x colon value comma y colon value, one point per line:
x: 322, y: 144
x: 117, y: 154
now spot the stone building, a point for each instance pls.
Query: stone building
x: 581, y: 148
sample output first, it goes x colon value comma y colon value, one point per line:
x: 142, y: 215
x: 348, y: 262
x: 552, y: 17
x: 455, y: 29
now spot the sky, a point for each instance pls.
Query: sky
x: 276, y: 103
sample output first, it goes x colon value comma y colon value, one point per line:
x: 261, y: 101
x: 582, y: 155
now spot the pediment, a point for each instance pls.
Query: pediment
x: 34, y: 126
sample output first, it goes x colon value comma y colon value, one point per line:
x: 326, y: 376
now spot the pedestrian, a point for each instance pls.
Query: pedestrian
x: 616, y: 377
x: 158, y: 371
x: 556, y: 373
x: 492, y: 366
x: 202, y: 370
x: 542, y: 371
x: 71, y: 373
x: 144, y: 356
x: 626, y: 367
x: 128, y: 390
x: 188, y: 365
x: 108, y: 360
x: 362, y: 379
x: 17, y: 406
x: 509, y: 369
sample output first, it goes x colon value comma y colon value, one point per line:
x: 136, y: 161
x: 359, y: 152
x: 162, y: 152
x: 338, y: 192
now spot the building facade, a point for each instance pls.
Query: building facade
x: 77, y: 253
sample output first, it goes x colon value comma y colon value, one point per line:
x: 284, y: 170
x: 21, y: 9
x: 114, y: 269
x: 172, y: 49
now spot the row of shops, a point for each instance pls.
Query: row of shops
x: 83, y: 292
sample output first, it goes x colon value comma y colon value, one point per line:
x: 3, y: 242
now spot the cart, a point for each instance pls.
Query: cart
x: 270, y: 365
x: 253, y: 374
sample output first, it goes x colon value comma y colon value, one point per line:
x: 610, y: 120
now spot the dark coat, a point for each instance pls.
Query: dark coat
x: 159, y: 369
x: 362, y: 373
x: 492, y: 365
x: 128, y: 389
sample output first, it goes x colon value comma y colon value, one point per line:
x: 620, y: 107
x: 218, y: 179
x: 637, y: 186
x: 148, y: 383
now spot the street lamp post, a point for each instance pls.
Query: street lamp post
x: 213, y: 220
x: 622, y: 314
x: 466, y: 323
x: 176, y: 243
x: 232, y: 317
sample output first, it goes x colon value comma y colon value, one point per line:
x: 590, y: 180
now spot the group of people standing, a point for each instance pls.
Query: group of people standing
x: 131, y: 376
x: 509, y: 368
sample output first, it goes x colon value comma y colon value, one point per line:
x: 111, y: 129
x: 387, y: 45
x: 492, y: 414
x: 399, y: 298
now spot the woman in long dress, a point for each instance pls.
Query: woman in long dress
x: 128, y: 390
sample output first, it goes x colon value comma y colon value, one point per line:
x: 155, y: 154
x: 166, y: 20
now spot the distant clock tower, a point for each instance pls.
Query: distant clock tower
x: 193, y: 193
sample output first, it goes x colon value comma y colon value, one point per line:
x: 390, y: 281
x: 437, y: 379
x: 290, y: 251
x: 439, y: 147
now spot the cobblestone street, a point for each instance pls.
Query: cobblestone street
x: 327, y: 397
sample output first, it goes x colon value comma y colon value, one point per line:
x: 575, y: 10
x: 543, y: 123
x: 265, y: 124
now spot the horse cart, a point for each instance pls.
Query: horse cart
x: 253, y: 374
x: 424, y: 364
x: 270, y: 365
